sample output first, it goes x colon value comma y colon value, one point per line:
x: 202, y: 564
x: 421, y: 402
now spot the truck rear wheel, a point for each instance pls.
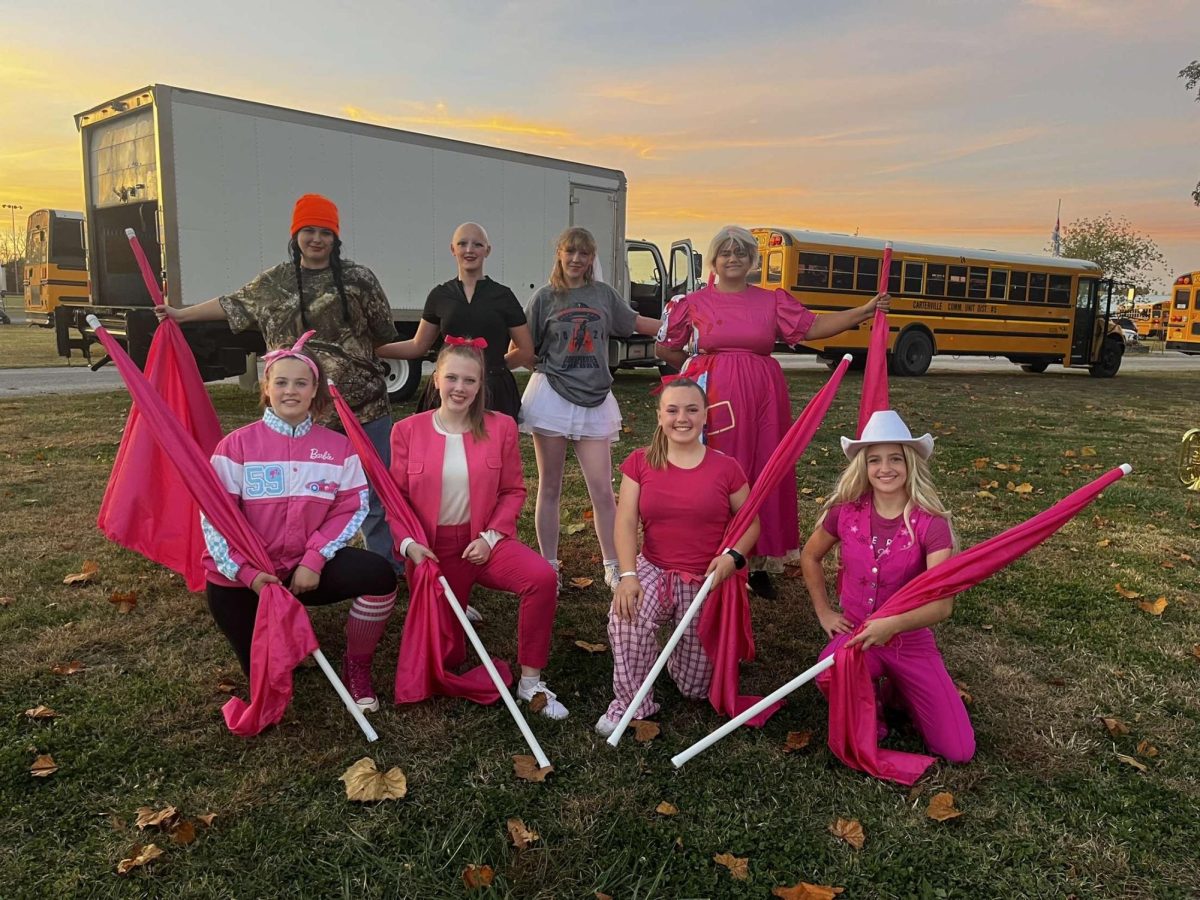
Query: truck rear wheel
x: 402, y: 377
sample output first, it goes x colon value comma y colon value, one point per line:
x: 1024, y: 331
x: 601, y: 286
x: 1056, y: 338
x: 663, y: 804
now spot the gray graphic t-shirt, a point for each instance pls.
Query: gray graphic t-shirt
x: 570, y: 338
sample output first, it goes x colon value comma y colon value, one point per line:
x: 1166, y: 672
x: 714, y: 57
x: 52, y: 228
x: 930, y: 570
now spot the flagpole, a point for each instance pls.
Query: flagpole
x: 352, y: 706
x: 486, y: 658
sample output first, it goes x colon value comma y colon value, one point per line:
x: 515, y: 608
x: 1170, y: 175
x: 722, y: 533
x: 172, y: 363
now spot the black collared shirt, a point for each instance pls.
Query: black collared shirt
x: 490, y: 313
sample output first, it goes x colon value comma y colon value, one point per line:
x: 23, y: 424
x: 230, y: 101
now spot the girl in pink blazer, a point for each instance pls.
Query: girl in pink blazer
x: 459, y: 468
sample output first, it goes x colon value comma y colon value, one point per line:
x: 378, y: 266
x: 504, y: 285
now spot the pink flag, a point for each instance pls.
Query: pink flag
x: 875, y: 378
x: 430, y: 627
x: 852, y: 735
x: 283, y: 635
x: 147, y: 506
x: 725, y: 631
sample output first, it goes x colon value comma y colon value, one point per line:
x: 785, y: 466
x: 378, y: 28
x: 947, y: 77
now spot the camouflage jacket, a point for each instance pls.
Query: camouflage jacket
x: 271, y: 304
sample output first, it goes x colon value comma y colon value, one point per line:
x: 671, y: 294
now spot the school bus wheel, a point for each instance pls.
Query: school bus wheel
x: 1036, y: 368
x: 912, y: 353
x: 1109, y: 362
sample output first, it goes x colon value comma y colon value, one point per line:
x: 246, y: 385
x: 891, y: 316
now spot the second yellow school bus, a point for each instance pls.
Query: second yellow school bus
x: 55, y: 271
x: 1033, y: 310
x: 1183, y: 325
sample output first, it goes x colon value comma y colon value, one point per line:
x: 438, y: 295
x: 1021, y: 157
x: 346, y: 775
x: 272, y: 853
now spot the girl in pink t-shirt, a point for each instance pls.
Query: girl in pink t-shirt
x: 885, y: 517
x: 683, y: 494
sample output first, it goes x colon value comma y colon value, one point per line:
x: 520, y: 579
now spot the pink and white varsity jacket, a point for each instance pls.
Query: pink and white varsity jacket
x: 301, y: 489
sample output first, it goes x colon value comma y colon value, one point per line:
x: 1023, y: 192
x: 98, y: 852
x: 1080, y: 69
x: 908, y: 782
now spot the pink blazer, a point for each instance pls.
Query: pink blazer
x: 494, y: 464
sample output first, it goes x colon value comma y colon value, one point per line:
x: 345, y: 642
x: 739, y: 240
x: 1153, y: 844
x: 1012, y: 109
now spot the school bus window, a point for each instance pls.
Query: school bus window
x: 1060, y: 290
x: 914, y: 274
x: 868, y: 274
x: 775, y: 267
x: 1181, y: 299
x: 935, y: 280
x: 894, y: 278
x: 1037, y: 287
x: 68, y: 243
x: 1018, y: 291
x: 843, y: 273
x: 956, y: 285
x: 814, y: 270
x: 999, y: 284
x: 36, y: 253
x: 1083, y: 296
x: 977, y: 283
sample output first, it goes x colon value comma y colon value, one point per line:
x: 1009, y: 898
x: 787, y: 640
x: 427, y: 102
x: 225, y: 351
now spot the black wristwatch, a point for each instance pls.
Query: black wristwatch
x: 739, y: 561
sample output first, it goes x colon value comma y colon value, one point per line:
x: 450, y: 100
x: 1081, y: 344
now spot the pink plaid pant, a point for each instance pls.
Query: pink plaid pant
x: 666, y: 597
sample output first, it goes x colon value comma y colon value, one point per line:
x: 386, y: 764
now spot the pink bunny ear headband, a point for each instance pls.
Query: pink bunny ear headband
x: 292, y: 352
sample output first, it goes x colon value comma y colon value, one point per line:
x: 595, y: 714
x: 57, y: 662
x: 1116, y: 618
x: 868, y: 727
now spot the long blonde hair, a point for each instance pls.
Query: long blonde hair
x: 656, y: 453
x: 853, y: 483
x: 574, y: 238
x: 477, y: 411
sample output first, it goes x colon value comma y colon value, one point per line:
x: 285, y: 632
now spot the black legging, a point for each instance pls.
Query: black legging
x: 350, y: 573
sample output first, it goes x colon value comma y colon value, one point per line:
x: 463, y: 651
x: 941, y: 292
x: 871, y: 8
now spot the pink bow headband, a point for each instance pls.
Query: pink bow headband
x: 477, y: 343
x: 292, y: 352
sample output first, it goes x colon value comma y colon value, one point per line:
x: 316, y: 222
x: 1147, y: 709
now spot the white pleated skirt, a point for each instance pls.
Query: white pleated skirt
x: 545, y: 411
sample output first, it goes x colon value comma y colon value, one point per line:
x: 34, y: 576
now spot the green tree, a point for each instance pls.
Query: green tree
x: 1127, y: 256
x: 1192, y: 74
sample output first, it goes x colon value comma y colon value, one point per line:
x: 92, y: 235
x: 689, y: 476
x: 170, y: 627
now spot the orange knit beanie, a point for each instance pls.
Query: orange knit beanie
x: 315, y: 211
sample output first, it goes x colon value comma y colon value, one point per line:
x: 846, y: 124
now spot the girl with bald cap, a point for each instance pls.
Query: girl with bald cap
x: 344, y: 304
x: 474, y: 307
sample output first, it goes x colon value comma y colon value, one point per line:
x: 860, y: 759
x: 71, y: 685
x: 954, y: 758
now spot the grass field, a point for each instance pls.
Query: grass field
x: 21, y: 346
x: 1045, y: 648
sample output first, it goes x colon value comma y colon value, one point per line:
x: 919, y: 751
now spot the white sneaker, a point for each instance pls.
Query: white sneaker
x: 557, y: 566
x: 474, y: 616
x: 553, y: 709
x: 605, y: 726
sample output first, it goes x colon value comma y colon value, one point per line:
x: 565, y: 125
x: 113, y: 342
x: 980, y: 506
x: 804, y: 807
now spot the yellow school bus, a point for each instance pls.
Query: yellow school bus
x: 1033, y: 310
x: 1183, y: 326
x: 1151, y: 319
x: 55, y: 271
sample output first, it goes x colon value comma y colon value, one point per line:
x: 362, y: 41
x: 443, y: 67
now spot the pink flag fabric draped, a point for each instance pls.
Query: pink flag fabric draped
x: 147, y: 506
x: 283, y: 635
x: 429, y: 625
x: 852, y: 735
x: 875, y: 377
x: 725, y: 630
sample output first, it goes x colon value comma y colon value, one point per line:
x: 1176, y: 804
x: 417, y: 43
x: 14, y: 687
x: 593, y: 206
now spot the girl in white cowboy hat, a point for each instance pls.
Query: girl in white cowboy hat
x: 890, y: 524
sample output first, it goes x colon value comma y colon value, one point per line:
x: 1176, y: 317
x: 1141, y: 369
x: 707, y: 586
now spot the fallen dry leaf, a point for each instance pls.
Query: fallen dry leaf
x: 206, y: 819
x: 68, y: 668
x: 124, y: 602
x: 588, y: 515
x: 43, y: 766
x: 1126, y: 593
x: 796, y: 740
x: 1070, y: 454
x: 149, y: 817
x: 1023, y: 488
x: 581, y: 583
x: 1115, y: 727
x: 738, y: 866
x: 850, y: 831
x: 7, y: 601
x: 574, y: 529
x: 591, y: 648
x: 226, y: 687
x: 644, y: 732
x: 806, y: 891
x: 1088, y: 451
x: 1196, y: 650
x: 475, y: 877
x: 539, y: 701
x: 1003, y: 467
x: 941, y: 807
x: 986, y: 495
x: 1155, y: 608
x: 183, y: 833
x: 366, y: 784
x: 526, y: 768
x: 1103, y: 543
x: 603, y: 896
x: 140, y: 856
x: 667, y: 809
x: 1130, y: 761
x: 967, y: 699
x: 521, y: 836
x: 90, y: 569
x: 41, y: 712
x: 1146, y: 748
x: 981, y: 462
x: 806, y: 491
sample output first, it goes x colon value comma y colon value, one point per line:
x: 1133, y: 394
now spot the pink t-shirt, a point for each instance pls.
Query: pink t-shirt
x: 684, y: 512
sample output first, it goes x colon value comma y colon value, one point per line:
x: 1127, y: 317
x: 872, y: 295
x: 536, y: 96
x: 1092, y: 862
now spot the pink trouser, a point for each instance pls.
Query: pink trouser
x: 512, y: 567
x: 917, y: 681
x: 666, y: 597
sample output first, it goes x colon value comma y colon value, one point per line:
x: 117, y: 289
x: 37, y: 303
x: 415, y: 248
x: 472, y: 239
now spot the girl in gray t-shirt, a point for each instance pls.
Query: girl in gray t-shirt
x: 568, y: 399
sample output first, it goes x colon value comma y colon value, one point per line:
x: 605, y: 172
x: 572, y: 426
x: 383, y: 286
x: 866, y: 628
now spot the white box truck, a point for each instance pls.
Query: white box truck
x: 208, y: 183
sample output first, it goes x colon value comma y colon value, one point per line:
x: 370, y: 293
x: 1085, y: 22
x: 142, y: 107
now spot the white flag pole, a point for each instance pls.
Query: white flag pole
x: 803, y: 678
x: 532, y: 741
x: 648, y: 683
x: 351, y: 705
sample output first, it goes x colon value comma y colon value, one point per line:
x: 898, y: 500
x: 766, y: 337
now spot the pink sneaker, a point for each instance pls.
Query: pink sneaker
x: 356, y: 673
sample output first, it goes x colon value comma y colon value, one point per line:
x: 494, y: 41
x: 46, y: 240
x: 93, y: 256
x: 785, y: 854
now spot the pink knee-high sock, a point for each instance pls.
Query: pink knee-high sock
x: 368, y: 618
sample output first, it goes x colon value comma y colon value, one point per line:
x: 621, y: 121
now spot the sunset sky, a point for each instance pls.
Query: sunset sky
x: 950, y: 122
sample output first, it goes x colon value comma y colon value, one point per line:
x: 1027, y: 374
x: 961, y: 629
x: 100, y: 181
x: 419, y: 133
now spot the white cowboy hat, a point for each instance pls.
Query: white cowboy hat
x: 886, y: 427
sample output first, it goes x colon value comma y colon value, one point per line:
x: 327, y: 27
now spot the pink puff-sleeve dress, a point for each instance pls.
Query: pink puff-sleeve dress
x: 731, y: 336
